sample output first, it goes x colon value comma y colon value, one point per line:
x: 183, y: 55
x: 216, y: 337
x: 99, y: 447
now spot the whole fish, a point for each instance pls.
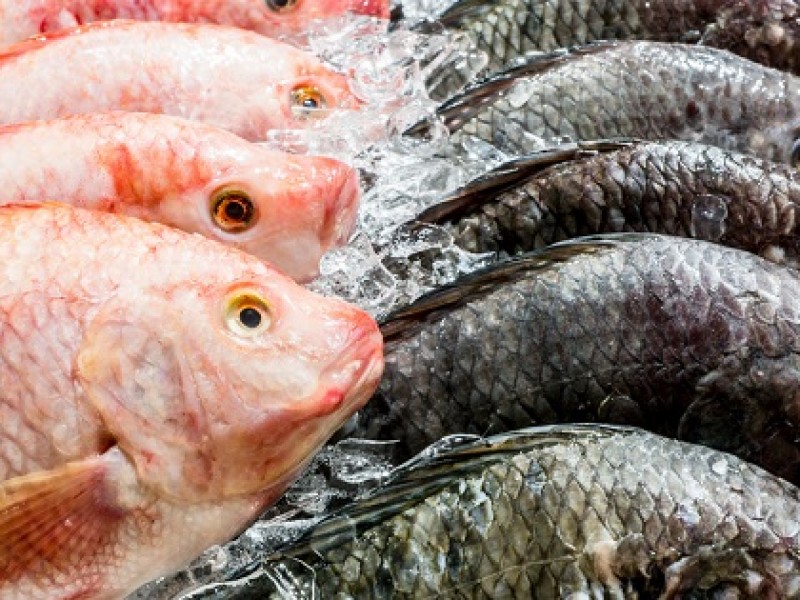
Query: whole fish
x: 679, y: 188
x: 159, y: 390
x: 556, y: 512
x: 767, y: 31
x: 286, y: 209
x: 235, y: 79
x: 645, y: 90
x: 274, y: 18
x: 686, y: 338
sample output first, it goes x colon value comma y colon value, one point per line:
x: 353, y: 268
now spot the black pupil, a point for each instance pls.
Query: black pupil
x: 250, y: 317
x: 310, y: 103
x: 280, y: 3
x: 235, y: 210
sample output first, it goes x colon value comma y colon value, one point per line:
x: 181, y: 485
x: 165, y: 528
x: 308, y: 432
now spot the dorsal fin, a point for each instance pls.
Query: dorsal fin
x: 493, y: 183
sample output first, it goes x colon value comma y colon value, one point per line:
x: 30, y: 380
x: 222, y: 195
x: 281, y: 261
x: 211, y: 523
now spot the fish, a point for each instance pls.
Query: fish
x: 274, y: 18
x: 159, y: 390
x: 553, y: 512
x: 686, y: 338
x: 283, y: 208
x: 646, y: 90
x: 767, y: 32
x: 231, y: 78
x: 678, y: 188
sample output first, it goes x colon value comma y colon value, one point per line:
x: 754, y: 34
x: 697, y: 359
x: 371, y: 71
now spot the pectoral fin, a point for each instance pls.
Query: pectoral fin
x: 55, y: 524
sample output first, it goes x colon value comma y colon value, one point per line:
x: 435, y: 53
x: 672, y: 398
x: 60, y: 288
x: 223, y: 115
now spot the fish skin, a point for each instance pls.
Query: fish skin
x: 123, y: 367
x: 644, y: 90
x: 166, y: 169
x: 19, y: 20
x: 553, y: 511
x: 231, y: 78
x: 765, y: 31
x: 678, y: 188
x: 686, y: 338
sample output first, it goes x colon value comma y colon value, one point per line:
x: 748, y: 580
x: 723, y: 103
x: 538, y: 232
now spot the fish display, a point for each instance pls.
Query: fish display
x: 645, y: 90
x: 555, y: 512
x: 286, y: 209
x: 683, y: 337
x: 234, y: 79
x: 678, y: 188
x: 19, y: 20
x: 767, y: 32
x: 159, y: 391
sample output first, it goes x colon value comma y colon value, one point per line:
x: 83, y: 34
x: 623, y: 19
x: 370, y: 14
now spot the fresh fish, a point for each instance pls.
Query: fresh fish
x: 679, y: 188
x: 19, y: 20
x: 159, y: 390
x: 642, y: 90
x: 287, y: 209
x: 224, y: 76
x: 686, y: 338
x: 555, y: 512
x: 767, y: 31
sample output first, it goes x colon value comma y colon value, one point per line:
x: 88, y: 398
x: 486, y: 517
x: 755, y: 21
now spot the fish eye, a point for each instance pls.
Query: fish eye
x: 280, y: 5
x: 247, y: 314
x: 307, y: 100
x: 233, y: 211
x: 794, y: 159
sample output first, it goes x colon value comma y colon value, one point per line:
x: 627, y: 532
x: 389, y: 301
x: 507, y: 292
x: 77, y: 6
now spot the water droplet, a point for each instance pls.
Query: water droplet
x: 708, y: 217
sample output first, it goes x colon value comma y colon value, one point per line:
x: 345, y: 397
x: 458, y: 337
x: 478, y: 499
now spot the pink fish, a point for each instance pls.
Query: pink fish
x: 286, y: 209
x: 158, y: 391
x: 21, y: 19
x: 232, y: 78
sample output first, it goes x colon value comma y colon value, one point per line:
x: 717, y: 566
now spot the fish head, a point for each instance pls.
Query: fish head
x: 220, y: 389
x: 285, y: 209
x: 281, y: 17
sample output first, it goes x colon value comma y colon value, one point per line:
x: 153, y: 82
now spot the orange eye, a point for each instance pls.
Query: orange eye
x: 308, y: 101
x: 233, y: 211
x: 247, y: 314
x: 279, y: 6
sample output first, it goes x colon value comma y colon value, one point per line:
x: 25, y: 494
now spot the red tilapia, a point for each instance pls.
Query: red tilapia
x: 287, y: 209
x: 19, y: 20
x: 157, y: 391
x: 235, y: 79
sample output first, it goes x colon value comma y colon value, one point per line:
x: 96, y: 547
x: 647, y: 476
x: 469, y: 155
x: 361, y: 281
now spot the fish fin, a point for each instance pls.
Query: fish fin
x: 463, y: 106
x: 405, y: 321
x: 54, y: 521
x: 488, y: 186
x: 427, y: 473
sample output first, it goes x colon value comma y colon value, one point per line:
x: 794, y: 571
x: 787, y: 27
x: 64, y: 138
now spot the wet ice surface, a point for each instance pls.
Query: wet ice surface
x: 387, y: 263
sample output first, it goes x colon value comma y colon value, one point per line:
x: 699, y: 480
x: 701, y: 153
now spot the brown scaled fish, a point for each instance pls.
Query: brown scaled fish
x: 159, y: 390
x: 686, y: 338
x: 679, y: 188
x: 555, y: 512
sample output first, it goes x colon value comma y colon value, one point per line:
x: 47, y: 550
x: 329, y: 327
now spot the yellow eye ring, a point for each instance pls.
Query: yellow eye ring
x: 233, y: 211
x: 280, y: 6
x: 308, y: 101
x: 247, y: 314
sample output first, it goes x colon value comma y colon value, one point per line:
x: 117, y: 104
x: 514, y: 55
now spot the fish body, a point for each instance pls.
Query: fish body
x: 678, y: 188
x: 159, y: 391
x: 765, y: 31
x: 223, y: 76
x: 292, y: 208
x: 19, y: 20
x: 555, y: 512
x: 683, y: 337
x: 644, y: 90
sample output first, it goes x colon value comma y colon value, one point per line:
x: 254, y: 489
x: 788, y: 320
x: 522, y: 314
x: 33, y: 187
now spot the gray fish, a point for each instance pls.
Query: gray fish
x: 642, y: 90
x: 679, y: 188
x: 545, y: 513
x: 686, y: 338
x: 767, y: 31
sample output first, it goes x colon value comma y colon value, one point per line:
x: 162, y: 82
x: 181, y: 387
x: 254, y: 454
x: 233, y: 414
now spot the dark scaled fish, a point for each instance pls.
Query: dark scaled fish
x: 686, y: 338
x: 766, y: 31
x: 678, y: 188
x: 556, y: 512
x: 645, y: 90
